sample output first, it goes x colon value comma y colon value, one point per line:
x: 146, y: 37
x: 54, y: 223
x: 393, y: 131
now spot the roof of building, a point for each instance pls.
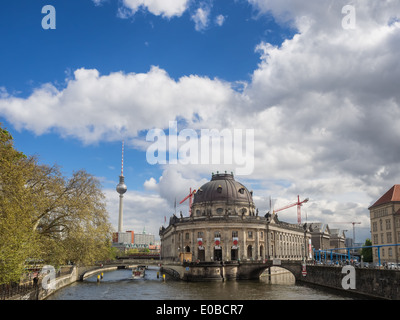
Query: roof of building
x: 319, y: 227
x: 393, y: 194
x: 223, y: 187
x: 337, y: 233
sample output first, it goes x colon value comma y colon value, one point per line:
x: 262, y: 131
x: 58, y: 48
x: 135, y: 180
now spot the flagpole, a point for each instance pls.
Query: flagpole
x: 175, y: 205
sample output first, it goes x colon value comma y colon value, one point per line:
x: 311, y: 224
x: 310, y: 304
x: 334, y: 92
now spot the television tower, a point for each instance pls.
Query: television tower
x: 121, y: 189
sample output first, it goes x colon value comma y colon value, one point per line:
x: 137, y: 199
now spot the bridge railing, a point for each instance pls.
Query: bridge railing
x: 348, y: 255
x: 29, y: 282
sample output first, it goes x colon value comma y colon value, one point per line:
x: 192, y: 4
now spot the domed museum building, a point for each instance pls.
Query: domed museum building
x: 225, y: 225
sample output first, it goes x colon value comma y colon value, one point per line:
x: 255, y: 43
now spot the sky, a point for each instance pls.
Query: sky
x: 306, y: 90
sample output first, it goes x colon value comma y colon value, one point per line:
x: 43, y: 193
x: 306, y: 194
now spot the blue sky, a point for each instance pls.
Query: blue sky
x: 95, y: 37
x: 290, y: 71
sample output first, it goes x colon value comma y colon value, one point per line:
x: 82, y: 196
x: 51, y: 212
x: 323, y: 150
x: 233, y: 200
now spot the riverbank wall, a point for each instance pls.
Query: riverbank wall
x: 367, y: 283
x: 47, y: 286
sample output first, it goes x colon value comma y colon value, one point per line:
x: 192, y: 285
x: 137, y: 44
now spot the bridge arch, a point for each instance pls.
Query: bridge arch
x: 254, y: 271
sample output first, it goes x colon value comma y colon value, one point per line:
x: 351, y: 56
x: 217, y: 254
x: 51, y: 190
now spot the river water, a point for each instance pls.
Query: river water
x: 119, y: 285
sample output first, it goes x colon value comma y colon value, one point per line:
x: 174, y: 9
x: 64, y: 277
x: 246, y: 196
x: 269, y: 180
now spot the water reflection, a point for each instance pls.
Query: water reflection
x: 278, y: 276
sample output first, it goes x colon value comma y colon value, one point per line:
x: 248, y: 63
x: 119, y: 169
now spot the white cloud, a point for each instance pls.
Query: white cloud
x: 165, y: 8
x: 324, y: 105
x: 220, y: 19
x: 93, y: 107
x: 98, y: 2
x: 150, y: 184
x: 141, y: 210
x: 201, y: 18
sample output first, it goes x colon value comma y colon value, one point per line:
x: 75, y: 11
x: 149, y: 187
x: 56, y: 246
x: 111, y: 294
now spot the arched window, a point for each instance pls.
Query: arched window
x: 262, y: 251
x: 249, y: 252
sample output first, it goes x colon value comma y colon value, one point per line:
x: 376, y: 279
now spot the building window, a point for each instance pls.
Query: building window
x: 235, y: 234
x: 200, y: 234
x: 187, y: 236
x: 250, y: 235
x: 262, y: 235
x: 382, y: 240
x: 374, y: 226
x: 389, y: 237
x: 217, y: 234
x: 381, y: 212
x: 249, y: 252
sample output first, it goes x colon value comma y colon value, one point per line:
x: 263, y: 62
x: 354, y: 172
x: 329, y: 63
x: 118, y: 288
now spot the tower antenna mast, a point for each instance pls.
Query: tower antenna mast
x: 121, y: 189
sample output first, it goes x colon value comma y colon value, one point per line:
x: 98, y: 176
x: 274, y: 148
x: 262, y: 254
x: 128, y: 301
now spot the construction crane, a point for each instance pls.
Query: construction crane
x: 298, y: 204
x: 190, y: 197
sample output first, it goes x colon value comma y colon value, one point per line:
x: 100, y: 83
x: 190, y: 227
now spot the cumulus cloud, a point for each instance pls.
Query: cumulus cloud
x: 164, y: 8
x: 98, y: 2
x: 150, y: 184
x: 141, y: 210
x: 324, y: 105
x: 201, y: 17
x: 220, y: 19
x: 93, y: 107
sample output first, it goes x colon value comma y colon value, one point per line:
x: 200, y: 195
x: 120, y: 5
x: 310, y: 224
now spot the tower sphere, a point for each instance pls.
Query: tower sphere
x: 121, y: 187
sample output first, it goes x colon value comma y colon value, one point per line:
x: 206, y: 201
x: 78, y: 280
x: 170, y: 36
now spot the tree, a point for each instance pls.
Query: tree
x: 44, y: 215
x: 70, y: 215
x: 367, y: 252
x: 17, y: 239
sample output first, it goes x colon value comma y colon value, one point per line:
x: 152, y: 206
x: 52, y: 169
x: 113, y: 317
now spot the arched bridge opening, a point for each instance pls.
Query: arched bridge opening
x: 254, y: 271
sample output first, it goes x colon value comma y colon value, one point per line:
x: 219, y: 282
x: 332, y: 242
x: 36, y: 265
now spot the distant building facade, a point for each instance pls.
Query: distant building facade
x: 385, y: 225
x: 144, y: 239
x: 127, y: 237
x: 324, y: 238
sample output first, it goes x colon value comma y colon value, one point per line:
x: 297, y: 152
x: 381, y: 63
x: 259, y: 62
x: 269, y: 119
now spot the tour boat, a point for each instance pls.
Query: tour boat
x: 138, y: 272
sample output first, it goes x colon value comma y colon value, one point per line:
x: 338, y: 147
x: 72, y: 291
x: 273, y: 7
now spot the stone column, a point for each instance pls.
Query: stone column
x: 208, y: 254
x: 227, y: 241
x: 194, y: 247
x: 243, y: 254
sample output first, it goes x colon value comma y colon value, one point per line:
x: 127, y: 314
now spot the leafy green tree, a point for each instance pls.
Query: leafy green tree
x: 46, y: 216
x: 18, y: 241
x: 70, y: 216
x: 367, y: 252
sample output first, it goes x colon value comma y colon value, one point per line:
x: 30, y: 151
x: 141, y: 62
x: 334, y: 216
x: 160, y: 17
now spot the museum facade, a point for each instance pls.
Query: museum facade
x: 225, y: 225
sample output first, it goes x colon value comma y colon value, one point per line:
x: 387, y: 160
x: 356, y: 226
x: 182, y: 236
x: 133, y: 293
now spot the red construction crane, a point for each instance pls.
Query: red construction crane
x: 298, y: 204
x: 190, y: 196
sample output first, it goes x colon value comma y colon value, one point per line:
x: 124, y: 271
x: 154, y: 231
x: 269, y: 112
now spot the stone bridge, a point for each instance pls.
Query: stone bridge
x: 228, y: 270
x: 370, y: 283
x: 204, y: 271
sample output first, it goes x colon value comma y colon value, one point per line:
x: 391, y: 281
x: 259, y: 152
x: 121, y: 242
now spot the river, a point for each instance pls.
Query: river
x: 119, y: 285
